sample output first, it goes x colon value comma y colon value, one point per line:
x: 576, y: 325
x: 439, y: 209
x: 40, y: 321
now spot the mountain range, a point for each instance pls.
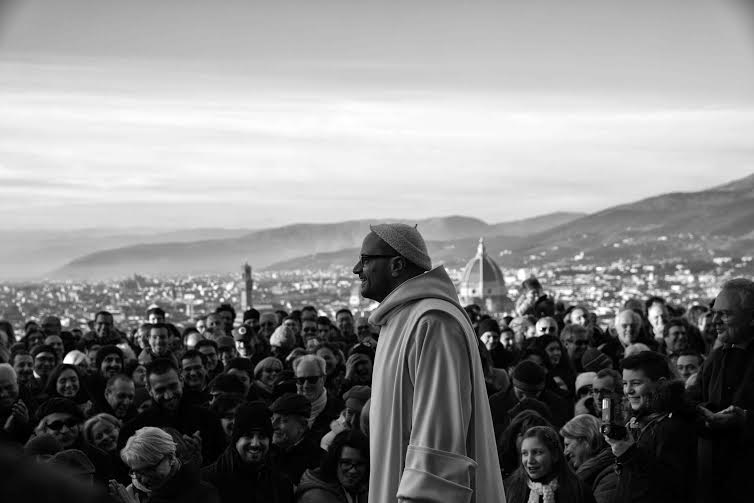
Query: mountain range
x: 694, y: 225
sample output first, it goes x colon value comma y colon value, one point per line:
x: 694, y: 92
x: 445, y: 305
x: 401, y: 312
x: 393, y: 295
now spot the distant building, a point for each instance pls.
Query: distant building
x: 247, y: 294
x: 483, y: 283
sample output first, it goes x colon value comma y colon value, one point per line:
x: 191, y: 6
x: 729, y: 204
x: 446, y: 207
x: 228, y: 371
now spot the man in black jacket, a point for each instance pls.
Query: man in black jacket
x: 244, y: 473
x: 725, y: 390
x: 295, y: 449
x: 201, y: 429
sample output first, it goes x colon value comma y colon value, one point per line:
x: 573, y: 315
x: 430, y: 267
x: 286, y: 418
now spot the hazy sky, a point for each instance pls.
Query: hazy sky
x: 242, y: 113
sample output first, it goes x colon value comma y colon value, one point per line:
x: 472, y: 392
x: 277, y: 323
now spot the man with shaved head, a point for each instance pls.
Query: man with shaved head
x: 725, y: 389
x: 430, y: 440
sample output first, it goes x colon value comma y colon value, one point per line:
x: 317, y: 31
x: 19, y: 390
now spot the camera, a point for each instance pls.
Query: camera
x: 610, y: 427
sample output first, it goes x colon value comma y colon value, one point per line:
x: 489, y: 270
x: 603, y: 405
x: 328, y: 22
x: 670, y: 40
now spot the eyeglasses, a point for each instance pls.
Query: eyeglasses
x: 347, y: 464
x: 310, y: 379
x: 59, y: 424
x: 147, y: 470
x: 364, y: 258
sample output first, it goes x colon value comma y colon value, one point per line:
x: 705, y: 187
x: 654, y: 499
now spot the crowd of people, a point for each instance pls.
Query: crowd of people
x: 657, y: 407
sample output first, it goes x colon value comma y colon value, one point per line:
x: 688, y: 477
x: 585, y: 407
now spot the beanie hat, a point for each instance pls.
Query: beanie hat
x: 59, y: 405
x: 252, y: 416
x: 243, y: 333
x: 267, y: 363
x: 225, y: 342
x: 585, y: 379
x: 105, y: 351
x: 357, y: 396
x: 42, y: 445
x: 75, y: 357
x: 74, y: 461
x: 240, y: 364
x: 488, y: 325
x: 407, y: 241
x: 280, y: 338
x: 529, y: 376
x: 250, y: 314
x: 594, y: 360
x: 42, y: 348
x: 292, y: 403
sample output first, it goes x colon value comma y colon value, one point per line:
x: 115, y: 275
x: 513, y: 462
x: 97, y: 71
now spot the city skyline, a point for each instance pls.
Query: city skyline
x: 189, y: 114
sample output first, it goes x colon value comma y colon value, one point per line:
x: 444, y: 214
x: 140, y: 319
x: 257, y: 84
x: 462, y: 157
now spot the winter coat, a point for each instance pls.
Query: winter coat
x: 315, y: 490
x: 238, y: 482
x: 726, y: 458
x: 296, y: 460
x: 187, y: 420
x: 598, y: 473
x: 661, y: 465
x: 430, y: 424
x: 517, y: 490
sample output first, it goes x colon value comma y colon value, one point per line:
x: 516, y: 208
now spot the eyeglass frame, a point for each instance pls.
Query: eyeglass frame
x: 367, y: 257
x: 348, y: 464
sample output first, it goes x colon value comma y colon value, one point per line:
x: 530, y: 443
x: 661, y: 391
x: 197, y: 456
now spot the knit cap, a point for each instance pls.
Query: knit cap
x: 59, y: 405
x: 292, y: 404
x: 75, y: 357
x: 585, y: 379
x: 407, y: 241
x: 488, y: 325
x: 266, y: 363
x: 73, y: 461
x: 225, y: 342
x: 280, y: 338
x: 594, y: 360
x: 105, y: 351
x: 529, y: 376
x: 251, y: 417
x: 357, y: 396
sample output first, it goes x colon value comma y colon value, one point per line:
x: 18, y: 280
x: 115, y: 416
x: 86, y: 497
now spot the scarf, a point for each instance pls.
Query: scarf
x: 547, y: 491
x: 318, y: 405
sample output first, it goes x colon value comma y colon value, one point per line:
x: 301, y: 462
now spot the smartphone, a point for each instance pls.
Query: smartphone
x: 609, y: 426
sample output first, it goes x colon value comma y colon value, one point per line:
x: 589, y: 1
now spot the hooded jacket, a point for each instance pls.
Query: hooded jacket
x: 432, y: 438
x: 598, y: 474
x: 315, y: 490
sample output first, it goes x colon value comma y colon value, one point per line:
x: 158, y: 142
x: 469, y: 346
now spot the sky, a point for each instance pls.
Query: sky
x: 245, y: 113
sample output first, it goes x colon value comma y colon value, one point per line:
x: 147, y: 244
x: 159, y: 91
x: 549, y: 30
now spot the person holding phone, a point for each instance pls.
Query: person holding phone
x: 656, y: 452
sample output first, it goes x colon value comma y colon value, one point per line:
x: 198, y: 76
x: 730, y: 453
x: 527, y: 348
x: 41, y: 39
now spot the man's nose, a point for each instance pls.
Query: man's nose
x: 357, y: 268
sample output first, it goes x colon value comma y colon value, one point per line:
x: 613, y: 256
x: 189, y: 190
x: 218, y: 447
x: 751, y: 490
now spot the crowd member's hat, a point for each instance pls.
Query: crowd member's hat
x: 107, y: 351
x: 251, y: 417
x: 404, y: 239
x: 357, y: 396
x: 250, y: 314
x: 242, y: 333
x: 585, y: 379
x: 292, y: 404
x: 529, y: 376
x: 594, y: 360
x: 225, y: 342
x: 74, y: 461
x: 488, y: 325
x: 59, y: 405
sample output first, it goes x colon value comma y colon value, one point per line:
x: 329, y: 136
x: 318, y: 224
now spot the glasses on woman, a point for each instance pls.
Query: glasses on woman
x: 149, y: 470
x: 349, y: 464
x: 60, y: 423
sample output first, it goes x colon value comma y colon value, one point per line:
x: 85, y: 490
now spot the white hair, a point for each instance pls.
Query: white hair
x: 634, y: 317
x: 745, y: 290
x: 148, y: 446
x: 310, y: 358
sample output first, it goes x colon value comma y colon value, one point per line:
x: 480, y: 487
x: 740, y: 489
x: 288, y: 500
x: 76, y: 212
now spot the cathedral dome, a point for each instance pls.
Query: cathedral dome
x: 482, y: 283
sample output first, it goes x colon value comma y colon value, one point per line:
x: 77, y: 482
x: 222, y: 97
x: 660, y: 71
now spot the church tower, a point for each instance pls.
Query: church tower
x: 247, y: 295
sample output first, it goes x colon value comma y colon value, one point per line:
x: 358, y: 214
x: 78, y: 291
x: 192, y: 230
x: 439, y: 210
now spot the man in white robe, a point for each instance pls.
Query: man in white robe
x: 431, y: 435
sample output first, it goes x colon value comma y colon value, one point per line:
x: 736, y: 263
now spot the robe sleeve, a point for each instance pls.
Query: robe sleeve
x: 437, y: 468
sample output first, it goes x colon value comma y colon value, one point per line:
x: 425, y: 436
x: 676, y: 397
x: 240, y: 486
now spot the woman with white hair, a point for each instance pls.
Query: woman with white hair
x: 590, y: 457
x: 157, y: 475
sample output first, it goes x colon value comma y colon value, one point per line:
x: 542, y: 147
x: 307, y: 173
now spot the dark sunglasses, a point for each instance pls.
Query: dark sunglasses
x: 58, y: 425
x: 310, y: 380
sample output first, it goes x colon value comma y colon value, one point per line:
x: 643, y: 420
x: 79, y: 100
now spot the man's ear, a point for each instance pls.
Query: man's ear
x: 397, y: 266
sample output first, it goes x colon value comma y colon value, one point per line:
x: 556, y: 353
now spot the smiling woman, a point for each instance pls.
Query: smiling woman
x: 544, y: 471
